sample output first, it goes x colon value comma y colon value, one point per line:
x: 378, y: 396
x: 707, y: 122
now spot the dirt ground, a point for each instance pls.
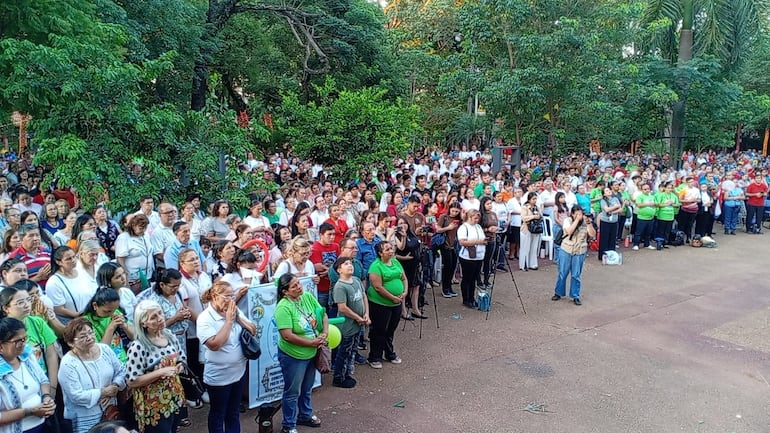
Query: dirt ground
x: 671, y: 341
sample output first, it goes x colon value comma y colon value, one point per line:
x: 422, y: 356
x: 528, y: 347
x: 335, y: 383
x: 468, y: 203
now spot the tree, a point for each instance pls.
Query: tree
x: 349, y: 131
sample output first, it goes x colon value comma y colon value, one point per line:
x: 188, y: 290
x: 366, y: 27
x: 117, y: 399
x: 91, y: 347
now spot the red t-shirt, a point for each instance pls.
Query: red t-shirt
x: 340, y: 228
x: 326, y: 255
x: 754, y: 188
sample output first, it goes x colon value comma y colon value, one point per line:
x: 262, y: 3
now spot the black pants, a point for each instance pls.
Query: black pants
x: 608, y: 234
x: 384, y: 324
x: 754, y: 217
x: 471, y: 271
x: 490, y: 261
x: 663, y: 230
x: 704, y: 222
x: 685, y: 222
x: 643, y: 232
x: 448, y: 265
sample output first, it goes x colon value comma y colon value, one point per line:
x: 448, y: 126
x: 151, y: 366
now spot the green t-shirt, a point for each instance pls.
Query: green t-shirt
x: 100, y: 327
x: 666, y: 213
x: 646, y: 213
x: 39, y: 336
x: 596, y: 207
x: 391, y: 281
x: 300, y: 317
x: 352, y: 294
x: 478, y: 191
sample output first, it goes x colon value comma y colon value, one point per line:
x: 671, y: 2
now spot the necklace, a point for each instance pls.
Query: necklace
x: 20, y: 382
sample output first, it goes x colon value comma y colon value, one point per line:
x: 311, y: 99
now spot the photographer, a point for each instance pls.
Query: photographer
x: 577, y: 228
x: 408, y: 254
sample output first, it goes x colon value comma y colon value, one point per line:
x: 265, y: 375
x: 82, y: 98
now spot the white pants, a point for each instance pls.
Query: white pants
x: 529, y: 246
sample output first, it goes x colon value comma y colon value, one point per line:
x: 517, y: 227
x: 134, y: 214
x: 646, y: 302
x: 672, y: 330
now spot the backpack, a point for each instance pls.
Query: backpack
x: 676, y: 238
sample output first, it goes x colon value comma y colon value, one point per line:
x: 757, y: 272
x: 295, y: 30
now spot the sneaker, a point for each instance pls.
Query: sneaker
x: 650, y: 247
x: 194, y: 404
x: 205, y: 397
x: 635, y: 248
x: 289, y: 430
x: 360, y: 359
x: 375, y: 364
x: 346, y: 383
x: 395, y: 360
x: 447, y: 294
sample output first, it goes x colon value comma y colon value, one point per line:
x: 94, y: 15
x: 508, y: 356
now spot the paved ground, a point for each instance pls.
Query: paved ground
x: 671, y: 341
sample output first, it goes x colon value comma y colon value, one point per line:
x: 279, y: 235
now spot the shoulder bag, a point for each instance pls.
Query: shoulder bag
x: 249, y: 345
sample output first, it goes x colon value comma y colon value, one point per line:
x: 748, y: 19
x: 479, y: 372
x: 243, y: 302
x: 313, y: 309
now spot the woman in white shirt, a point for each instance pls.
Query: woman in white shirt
x: 297, y: 262
x: 134, y: 252
x: 219, y: 329
x: 69, y: 291
x: 470, y: 202
x: 472, y: 242
x: 194, y: 283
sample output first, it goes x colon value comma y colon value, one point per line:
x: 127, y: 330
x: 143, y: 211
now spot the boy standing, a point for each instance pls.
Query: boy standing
x: 352, y: 304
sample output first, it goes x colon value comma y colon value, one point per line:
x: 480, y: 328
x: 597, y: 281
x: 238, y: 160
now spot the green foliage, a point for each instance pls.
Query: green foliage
x: 349, y: 131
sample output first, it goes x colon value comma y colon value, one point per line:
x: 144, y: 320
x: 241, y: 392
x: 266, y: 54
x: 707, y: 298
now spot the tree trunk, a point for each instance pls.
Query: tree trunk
x: 685, y: 55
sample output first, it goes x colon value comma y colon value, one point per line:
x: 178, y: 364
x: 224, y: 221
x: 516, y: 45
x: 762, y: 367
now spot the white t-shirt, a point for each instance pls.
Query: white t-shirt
x: 138, y: 252
x: 191, y: 291
x: 72, y: 293
x: 259, y: 221
x: 514, y: 209
x: 471, y: 232
x: 226, y: 365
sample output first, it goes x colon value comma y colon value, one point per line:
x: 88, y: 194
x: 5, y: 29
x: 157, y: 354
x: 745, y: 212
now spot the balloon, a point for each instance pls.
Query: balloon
x: 335, y: 337
x: 336, y: 320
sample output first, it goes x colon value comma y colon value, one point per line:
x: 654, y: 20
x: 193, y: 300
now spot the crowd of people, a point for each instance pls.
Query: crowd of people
x: 102, y: 320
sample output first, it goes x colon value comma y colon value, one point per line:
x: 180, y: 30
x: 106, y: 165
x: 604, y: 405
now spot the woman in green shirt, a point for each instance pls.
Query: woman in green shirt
x: 303, y: 326
x: 667, y: 203
x: 387, y: 283
x: 111, y: 327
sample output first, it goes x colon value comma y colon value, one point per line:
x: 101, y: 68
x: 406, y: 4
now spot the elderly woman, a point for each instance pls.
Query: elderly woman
x: 165, y: 292
x: 25, y: 393
x: 134, y: 253
x: 577, y: 228
x: 88, y: 260
x: 152, y: 372
x: 90, y: 376
x: 224, y: 373
x: 194, y: 284
x: 303, y: 326
x: 386, y: 293
x: 472, y: 241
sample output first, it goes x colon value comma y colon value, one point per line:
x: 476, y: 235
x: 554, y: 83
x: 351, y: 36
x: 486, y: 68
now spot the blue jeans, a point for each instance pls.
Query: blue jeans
x: 298, y: 378
x: 323, y: 299
x: 730, y: 217
x: 343, y: 361
x: 224, y: 413
x: 569, y: 265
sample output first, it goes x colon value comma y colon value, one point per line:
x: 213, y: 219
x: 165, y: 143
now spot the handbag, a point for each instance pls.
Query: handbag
x: 250, y: 345
x: 193, y: 388
x: 471, y: 251
x: 535, y: 226
x: 323, y: 359
x: 111, y: 413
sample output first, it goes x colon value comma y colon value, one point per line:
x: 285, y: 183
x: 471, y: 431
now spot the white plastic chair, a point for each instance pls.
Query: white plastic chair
x: 547, y: 236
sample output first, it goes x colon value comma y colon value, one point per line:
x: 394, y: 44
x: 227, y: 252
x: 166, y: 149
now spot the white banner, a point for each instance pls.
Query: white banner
x: 265, y: 378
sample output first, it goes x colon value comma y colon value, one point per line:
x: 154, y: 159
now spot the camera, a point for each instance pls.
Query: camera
x: 426, y: 229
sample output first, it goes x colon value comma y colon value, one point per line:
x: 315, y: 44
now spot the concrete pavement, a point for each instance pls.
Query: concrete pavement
x: 671, y: 341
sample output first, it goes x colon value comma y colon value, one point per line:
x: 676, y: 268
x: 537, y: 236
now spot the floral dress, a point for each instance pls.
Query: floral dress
x: 162, y: 398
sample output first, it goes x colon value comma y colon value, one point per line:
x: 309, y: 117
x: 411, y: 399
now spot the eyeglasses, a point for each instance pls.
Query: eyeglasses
x: 19, y: 342
x: 230, y: 297
x: 85, y: 335
x: 168, y: 212
x: 22, y: 302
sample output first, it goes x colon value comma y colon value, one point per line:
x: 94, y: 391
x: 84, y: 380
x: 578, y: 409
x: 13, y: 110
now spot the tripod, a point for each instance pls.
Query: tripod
x: 494, y: 258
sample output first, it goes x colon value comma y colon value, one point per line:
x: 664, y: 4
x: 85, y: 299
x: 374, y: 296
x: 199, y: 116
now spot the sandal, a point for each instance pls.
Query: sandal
x: 313, y: 421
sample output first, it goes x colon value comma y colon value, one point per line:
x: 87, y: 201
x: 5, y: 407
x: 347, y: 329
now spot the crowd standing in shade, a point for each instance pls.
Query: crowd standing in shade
x: 98, y: 314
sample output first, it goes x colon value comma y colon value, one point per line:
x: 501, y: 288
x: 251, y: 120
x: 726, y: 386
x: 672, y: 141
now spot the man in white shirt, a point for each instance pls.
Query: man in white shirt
x: 146, y: 204
x: 569, y: 196
x: 546, y: 200
x: 163, y: 235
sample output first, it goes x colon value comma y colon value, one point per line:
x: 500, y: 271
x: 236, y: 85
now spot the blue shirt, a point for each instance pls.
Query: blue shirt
x: 171, y: 257
x: 366, y: 253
